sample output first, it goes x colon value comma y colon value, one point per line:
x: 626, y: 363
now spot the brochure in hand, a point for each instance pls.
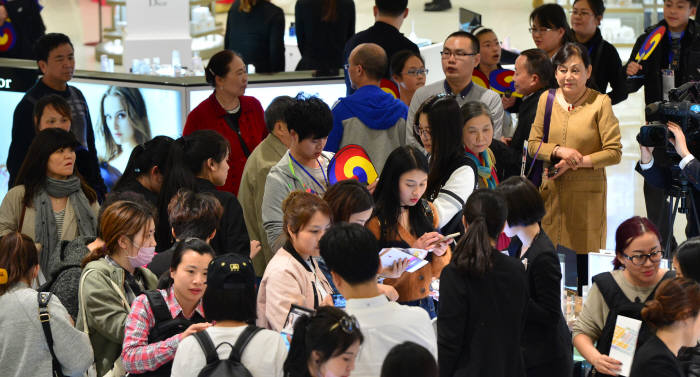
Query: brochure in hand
x: 624, y: 342
x: 416, y: 257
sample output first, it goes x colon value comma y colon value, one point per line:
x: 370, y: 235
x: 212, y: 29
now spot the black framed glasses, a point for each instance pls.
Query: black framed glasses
x: 638, y: 260
x: 457, y: 54
x: 348, y: 324
x: 417, y: 72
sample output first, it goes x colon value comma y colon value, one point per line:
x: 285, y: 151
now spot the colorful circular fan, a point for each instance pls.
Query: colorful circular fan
x: 389, y: 87
x: 653, y: 40
x: 8, y: 37
x: 351, y: 162
x: 479, y: 78
x: 501, y: 81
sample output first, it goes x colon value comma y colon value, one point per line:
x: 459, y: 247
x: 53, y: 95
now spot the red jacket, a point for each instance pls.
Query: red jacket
x: 209, y: 115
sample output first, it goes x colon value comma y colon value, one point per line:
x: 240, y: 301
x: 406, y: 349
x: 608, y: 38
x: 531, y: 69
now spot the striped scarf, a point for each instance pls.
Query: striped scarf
x: 486, y: 167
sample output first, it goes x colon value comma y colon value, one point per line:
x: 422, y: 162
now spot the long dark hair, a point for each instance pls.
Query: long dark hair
x: 143, y: 158
x: 386, y: 195
x: 186, y: 158
x: 135, y: 107
x: 329, y: 10
x: 32, y: 174
x: 319, y: 332
x: 446, y: 127
x: 553, y: 16
x: 485, y: 213
x: 688, y: 255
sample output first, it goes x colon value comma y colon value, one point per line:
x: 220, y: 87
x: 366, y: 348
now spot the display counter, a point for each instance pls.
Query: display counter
x: 167, y: 100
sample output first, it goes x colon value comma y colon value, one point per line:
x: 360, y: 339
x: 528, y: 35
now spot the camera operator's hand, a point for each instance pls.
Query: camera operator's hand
x: 571, y: 156
x: 646, y: 154
x: 678, y: 139
x: 633, y: 68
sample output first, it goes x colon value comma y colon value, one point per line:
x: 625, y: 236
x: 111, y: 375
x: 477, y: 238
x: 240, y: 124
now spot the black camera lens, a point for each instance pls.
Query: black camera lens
x: 653, y: 135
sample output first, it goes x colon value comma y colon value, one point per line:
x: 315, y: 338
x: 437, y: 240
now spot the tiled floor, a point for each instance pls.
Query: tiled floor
x: 78, y: 19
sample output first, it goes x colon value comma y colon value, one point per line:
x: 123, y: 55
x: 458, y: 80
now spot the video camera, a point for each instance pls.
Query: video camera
x: 656, y: 133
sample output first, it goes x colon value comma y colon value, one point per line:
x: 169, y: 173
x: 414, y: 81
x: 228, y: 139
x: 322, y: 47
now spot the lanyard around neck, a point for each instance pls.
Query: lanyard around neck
x: 671, y: 55
x: 291, y: 169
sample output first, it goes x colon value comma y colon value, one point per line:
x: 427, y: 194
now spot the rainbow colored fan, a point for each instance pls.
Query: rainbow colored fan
x: 351, y: 162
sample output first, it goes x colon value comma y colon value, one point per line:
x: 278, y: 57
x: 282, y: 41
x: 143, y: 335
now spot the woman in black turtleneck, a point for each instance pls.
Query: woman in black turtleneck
x: 607, y: 66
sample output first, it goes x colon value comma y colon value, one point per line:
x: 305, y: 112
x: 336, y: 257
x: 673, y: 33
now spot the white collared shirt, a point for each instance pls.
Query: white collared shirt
x: 384, y: 325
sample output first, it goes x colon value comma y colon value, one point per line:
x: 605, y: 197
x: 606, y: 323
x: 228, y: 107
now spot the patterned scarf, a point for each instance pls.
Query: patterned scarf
x: 486, y: 167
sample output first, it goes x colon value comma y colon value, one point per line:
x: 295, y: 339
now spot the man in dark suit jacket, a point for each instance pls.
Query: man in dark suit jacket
x: 388, y: 17
x: 660, y: 176
x: 533, y: 73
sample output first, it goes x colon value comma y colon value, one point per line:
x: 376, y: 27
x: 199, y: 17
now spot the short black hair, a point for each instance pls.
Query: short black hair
x: 398, y: 61
x: 235, y: 303
x: 392, y: 8
x: 537, y: 63
x: 463, y: 34
x: 597, y: 6
x: 351, y: 251
x: 275, y: 111
x: 309, y: 117
x: 194, y: 214
x: 569, y: 50
x: 409, y: 359
x: 552, y: 16
x: 47, y: 43
x: 525, y: 204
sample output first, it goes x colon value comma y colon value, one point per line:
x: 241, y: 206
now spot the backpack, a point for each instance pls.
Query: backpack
x: 619, y: 304
x: 231, y: 367
x: 64, y: 278
x: 165, y: 327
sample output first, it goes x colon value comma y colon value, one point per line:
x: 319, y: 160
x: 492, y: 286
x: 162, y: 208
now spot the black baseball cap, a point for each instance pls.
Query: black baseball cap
x: 229, y: 270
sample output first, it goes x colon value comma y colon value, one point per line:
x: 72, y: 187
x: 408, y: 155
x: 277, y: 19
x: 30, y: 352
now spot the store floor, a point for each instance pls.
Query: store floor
x: 78, y: 19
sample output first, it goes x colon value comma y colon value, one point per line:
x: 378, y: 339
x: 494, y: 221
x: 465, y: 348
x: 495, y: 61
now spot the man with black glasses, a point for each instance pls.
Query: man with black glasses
x: 460, y: 54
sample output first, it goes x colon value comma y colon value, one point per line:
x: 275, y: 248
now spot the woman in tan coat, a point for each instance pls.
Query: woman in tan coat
x: 293, y: 276
x: 583, y: 138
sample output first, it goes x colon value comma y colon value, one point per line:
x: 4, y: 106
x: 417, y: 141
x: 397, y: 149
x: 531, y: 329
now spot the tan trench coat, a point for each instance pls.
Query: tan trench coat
x: 575, y: 203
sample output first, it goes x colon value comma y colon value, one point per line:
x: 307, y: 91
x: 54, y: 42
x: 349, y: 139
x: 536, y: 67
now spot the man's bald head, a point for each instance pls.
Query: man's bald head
x: 372, y: 58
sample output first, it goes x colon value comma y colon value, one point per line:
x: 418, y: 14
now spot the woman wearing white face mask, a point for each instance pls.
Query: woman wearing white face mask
x: 112, y: 278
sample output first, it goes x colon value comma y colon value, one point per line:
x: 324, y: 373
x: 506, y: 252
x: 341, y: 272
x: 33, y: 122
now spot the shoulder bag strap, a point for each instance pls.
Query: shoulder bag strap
x: 237, y: 130
x: 454, y: 196
x: 43, y: 299
x: 207, y: 346
x: 21, y: 217
x: 81, y: 301
x: 159, y: 307
x: 242, y: 342
x: 545, y: 127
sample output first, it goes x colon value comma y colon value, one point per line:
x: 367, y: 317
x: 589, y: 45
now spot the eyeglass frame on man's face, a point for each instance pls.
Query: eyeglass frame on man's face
x: 458, y: 54
x: 645, y: 257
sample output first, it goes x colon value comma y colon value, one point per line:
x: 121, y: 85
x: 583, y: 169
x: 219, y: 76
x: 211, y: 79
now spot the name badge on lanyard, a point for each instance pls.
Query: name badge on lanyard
x: 668, y: 81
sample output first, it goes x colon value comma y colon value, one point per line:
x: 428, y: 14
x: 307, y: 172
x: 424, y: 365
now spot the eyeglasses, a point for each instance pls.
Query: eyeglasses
x: 422, y: 131
x: 348, y: 323
x: 457, y: 54
x: 639, y: 260
x: 539, y: 30
x: 417, y: 72
x: 582, y: 13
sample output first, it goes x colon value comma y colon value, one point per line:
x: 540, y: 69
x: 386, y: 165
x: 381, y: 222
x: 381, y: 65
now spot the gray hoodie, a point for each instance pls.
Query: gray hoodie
x: 280, y: 182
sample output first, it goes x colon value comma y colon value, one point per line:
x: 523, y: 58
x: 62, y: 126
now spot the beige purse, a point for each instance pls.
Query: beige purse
x: 118, y: 368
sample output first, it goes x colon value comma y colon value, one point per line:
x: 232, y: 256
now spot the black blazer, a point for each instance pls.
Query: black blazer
x: 654, y: 359
x: 607, y: 68
x: 480, y: 321
x: 321, y: 43
x: 258, y: 36
x: 546, y: 337
x: 231, y: 234
x: 660, y: 176
x: 386, y: 36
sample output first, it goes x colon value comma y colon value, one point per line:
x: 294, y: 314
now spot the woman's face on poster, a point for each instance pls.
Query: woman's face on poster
x: 117, y: 120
